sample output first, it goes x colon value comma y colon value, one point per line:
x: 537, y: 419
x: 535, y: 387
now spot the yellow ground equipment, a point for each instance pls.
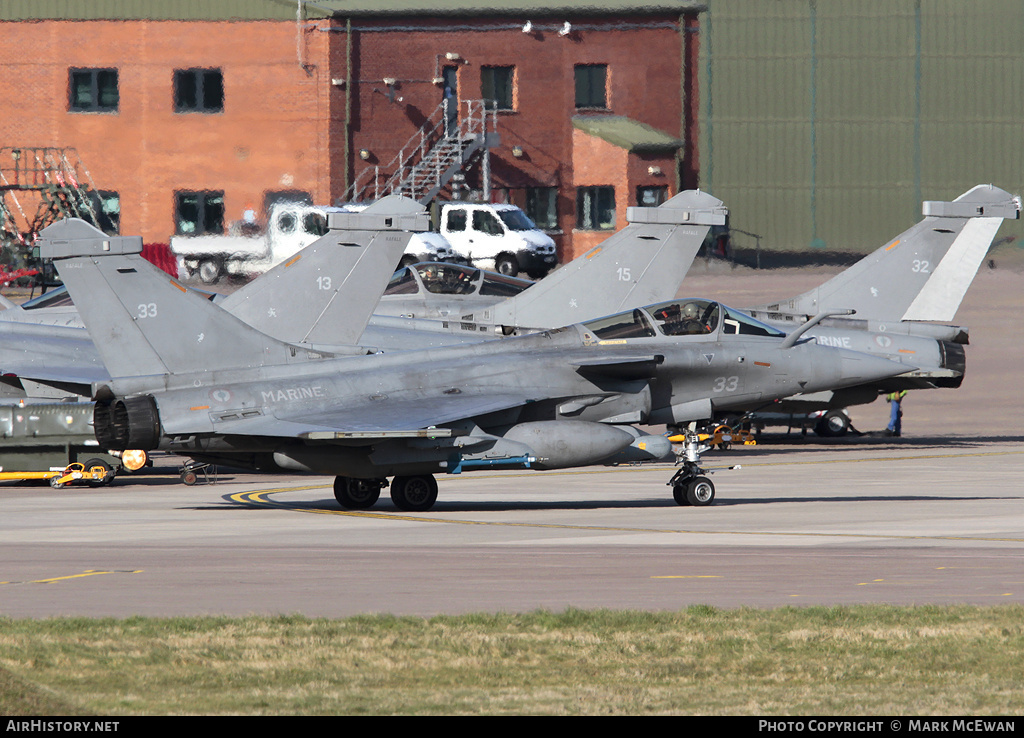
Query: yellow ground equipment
x: 722, y: 437
x: 94, y: 472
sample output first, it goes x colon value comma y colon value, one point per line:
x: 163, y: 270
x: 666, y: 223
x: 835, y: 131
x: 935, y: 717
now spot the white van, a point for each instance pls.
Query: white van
x: 498, y: 237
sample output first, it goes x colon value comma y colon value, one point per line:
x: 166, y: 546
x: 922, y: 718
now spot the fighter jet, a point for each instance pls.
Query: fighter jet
x: 341, y: 274
x: 189, y: 377
x: 46, y: 355
x: 882, y: 304
x: 641, y: 264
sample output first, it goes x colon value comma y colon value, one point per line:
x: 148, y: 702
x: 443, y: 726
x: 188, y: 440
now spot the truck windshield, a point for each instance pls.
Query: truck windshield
x: 516, y: 220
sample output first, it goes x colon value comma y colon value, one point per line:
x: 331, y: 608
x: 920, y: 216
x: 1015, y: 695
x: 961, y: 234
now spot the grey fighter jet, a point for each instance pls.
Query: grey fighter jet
x: 341, y: 274
x: 189, y: 377
x: 640, y: 264
x: 43, y: 351
x: 891, y: 303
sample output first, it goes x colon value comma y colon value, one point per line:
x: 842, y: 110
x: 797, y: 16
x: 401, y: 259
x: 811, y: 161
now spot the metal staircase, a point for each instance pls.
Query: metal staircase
x: 433, y: 156
x: 59, y: 183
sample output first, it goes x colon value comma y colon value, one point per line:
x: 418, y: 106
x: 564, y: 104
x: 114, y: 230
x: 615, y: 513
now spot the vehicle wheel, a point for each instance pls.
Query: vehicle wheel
x: 189, y: 477
x: 414, y: 494
x: 108, y: 472
x: 700, y: 492
x: 55, y: 482
x: 679, y: 492
x: 209, y: 271
x: 506, y: 264
x: 832, y: 424
x: 356, y: 494
x: 537, y: 275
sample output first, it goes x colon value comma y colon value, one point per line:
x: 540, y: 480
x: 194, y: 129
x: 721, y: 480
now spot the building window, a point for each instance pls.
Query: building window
x: 541, y: 206
x: 92, y: 90
x: 591, y: 86
x: 198, y: 91
x: 496, y: 86
x: 651, y: 196
x: 595, y: 208
x: 198, y: 213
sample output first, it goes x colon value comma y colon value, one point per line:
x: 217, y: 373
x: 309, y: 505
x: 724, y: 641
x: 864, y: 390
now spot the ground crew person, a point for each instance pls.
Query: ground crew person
x: 895, y: 400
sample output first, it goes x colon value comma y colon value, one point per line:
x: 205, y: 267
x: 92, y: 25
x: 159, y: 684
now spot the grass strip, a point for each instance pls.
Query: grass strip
x: 865, y: 660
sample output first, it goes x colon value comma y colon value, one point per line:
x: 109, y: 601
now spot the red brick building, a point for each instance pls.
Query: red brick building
x: 188, y: 113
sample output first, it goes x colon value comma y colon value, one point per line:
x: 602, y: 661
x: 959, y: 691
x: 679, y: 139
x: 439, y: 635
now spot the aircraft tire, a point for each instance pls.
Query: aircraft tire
x: 415, y: 493
x: 679, y: 492
x: 700, y: 492
x: 356, y: 494
x: 832, y: 424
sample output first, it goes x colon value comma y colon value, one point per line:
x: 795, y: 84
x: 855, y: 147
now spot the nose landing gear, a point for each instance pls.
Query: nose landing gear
x: 690, y: 485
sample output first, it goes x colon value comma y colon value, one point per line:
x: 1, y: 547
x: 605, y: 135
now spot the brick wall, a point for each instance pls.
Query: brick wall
x: 271, y: 134
x: 295, y: 115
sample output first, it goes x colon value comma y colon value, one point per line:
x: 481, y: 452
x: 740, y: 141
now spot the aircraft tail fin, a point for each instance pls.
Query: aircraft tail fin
x: 641, y: 264
x: 340, y: 277
x: 144, y: 322
x: 924, y: 272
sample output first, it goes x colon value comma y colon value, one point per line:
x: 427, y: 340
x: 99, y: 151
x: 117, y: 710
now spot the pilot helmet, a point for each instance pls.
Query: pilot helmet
x: 690, y: 310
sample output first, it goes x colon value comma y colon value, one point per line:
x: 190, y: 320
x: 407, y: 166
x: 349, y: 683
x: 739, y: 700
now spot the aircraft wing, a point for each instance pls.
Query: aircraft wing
x: 387, y: 417
x: 49, y: 354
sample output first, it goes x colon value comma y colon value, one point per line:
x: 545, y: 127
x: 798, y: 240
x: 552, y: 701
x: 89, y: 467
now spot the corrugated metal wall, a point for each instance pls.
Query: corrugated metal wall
x: 824, y: 123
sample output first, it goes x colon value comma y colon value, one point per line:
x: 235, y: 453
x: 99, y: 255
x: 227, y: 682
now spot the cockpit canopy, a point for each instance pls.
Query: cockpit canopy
x: 453, y: 279
x: 686, y: 317
x: 57, y: 297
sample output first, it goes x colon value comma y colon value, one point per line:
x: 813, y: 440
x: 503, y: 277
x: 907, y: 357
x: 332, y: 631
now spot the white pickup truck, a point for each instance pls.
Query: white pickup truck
x: 497, y: 236
x: 291, y: 226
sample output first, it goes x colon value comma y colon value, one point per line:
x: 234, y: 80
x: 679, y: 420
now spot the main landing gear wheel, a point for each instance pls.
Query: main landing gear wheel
x: 414, y: 494
x: 833, y: 424
x: 357, y: 494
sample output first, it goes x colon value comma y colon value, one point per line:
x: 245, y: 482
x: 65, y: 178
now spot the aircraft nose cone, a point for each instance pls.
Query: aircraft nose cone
x: 858, y: 368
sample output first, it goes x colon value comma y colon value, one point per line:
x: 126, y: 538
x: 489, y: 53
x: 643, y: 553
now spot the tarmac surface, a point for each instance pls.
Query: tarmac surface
x: 936, y: 516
